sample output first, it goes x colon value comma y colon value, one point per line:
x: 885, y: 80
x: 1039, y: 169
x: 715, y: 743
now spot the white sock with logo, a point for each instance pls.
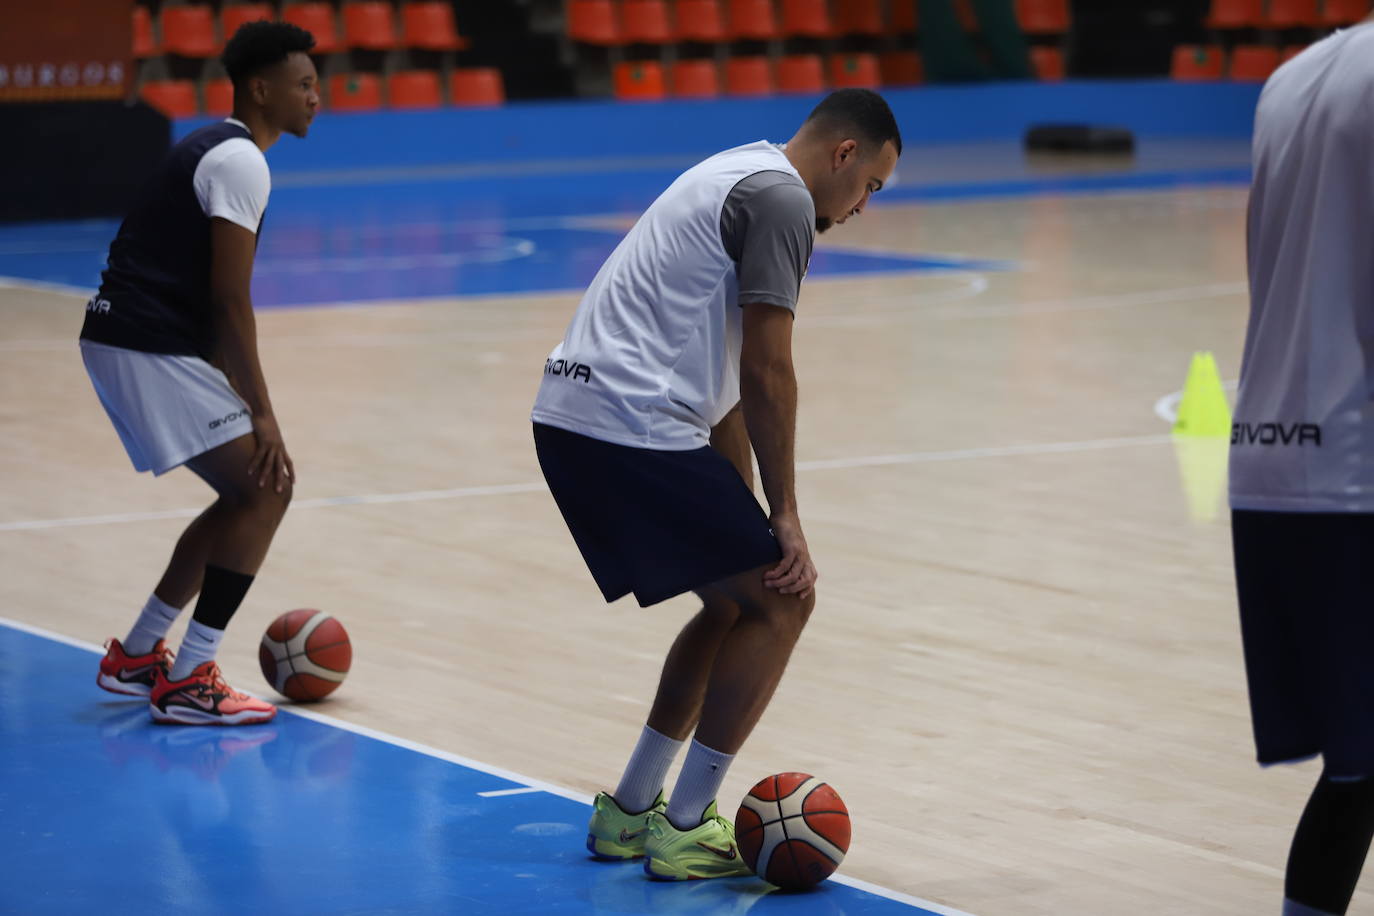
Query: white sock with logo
x: 697, y: 785
x: 152, y: 624
x: 198, y: 647
x: 643, y: 777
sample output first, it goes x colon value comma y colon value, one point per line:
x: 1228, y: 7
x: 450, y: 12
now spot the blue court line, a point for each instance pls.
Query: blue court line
x: 305, y: 814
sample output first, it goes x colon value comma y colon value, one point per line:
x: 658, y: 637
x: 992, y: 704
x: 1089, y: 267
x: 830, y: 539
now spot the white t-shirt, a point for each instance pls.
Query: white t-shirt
x: 232, y: 182
x: 651, y: 358
x: 1303, y: 433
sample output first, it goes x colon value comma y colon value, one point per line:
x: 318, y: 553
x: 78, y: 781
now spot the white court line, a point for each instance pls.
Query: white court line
x: 530, y: 785
x: 372, y: 499
x: 501, y: 793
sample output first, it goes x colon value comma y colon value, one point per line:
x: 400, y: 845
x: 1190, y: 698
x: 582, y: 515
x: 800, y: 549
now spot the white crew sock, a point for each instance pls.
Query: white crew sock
x: 198, y: 647
x: 152, y: 624
x: 697, y: 785
x: 643, y: 777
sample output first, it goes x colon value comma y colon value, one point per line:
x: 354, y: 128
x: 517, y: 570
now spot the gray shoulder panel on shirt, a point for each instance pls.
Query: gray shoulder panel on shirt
x: 768, y: 225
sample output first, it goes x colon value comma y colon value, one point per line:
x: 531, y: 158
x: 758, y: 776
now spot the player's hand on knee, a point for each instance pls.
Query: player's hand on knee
x: 795, y: 574
x: 270, y: 459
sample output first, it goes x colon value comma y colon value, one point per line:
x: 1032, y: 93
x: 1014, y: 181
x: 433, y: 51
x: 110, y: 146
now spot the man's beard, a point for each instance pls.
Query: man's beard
x: 823, y: 223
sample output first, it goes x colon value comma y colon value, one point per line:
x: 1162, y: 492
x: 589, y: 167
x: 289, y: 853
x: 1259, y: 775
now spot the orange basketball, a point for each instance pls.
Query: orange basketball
x: 793, y: 830
x: 305, y: 654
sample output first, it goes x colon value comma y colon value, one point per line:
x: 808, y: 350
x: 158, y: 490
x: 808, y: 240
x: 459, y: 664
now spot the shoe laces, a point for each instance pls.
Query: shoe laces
x: 218, y: 683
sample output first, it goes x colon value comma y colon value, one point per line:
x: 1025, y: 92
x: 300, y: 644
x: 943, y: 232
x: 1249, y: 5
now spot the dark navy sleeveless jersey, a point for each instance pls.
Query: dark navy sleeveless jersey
x: 155, y: 291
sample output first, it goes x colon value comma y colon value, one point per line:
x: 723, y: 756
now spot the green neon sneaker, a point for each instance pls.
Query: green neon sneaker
x: 708, y: 850
x: 614, y: 835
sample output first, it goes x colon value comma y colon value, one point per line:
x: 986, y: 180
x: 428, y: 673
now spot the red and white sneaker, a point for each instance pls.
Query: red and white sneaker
x: 132, y: 675
x: 205, y: 699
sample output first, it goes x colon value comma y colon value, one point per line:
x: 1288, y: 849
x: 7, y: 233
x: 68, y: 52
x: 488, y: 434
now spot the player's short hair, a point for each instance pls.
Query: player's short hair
x: 259, y: 45
x: 859, y: 113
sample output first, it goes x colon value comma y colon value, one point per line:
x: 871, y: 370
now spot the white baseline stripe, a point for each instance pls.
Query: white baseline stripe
x: 531, y: 785
x: 370, y: 499
x: 498, y: 793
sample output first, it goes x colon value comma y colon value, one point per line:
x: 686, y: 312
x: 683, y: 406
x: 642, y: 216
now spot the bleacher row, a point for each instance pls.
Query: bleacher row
x: 195, y: 31
x: 1250, y: 39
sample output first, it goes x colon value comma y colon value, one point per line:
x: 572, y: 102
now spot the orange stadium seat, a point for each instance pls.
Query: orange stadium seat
x: 1253, y: 63
x: 1343, y: 12
x: 1047, y: 63
x: 801, y: 73
x: 854, y: 71
x: 752, y: 19
x: 219, y: 97
x: 318, y: 19
x: 901, y: 68
x: 355, y: 92
x: 859, y: 17
x: 429, y: 25
x: 231, y: 17
x: 700, y: 20
x: 645, y: 21
x: 695, y: 79
x: 189, y: 31
x: 593, y: 22
x: 369, y: 24
x: 749, y: 76
x: 1043, y: 17
x: 474, y: 86
x: 1196, y: 63
x: 174, y: 98
x: 145, y: 44
x: 639, y: 80
x: 1292, y: 14
x: 414, y: 89
x: 806, y: 18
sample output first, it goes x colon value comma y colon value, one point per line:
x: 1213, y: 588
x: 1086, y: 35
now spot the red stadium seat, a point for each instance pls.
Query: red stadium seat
x: 219, y: 97
x: 145, y: 44
x: 859, y: 17
x: 1196, y: 63
x: 355, y: 92
x: 901, y: 68
x: 1235, y: 14
x: 174, y: 98
x: 1292, y: 14
x: 1290, y: 52
x: 476, y: 86
x: 902, y: 16
x: 854, y: 71
x: 429, y: 25
x: 645, y: 21
x: 1343, y: 12
x: 593, y: 22
x: 752, y: 19
x: 318, y: 19
x: 369, y: 24
x: 231, y: 17
x: 639, y: 80
x: 414, y: 89
x: 695, y: 79
x: 1253, y: 63
x: 189, y: 31
x: 801, y: 73
x: 806, y: 18
x: 1043, y: 17
x: 1047, y: 63
x: 700, y: 20
x: 748, y: 76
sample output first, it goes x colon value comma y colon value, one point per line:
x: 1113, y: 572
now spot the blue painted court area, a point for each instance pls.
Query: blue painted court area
x: 105, y: 811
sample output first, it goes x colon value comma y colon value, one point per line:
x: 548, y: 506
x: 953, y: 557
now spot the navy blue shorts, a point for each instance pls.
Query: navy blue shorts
x: 652, y: 522
x: 1306, y: 586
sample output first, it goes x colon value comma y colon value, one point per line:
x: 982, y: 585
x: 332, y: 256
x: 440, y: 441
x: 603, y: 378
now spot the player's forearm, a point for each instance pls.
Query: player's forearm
x: 768, y: 397
x: 731, y: 439
x: 237, y: 336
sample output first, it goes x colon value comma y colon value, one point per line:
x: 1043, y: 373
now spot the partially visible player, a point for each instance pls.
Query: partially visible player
x: 173, y: 305
x: 677, y: 364
x: 1302, y: 455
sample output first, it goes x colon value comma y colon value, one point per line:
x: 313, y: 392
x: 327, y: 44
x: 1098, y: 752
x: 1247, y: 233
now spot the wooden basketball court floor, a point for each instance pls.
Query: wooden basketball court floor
x: 1024, y: 671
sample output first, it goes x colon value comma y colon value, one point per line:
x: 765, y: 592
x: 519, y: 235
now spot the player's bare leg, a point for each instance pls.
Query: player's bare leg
x: 682, y: 684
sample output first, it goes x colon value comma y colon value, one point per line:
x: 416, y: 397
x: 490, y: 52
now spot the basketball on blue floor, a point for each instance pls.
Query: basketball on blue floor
x: 305, y: 654
x: 793, y: 830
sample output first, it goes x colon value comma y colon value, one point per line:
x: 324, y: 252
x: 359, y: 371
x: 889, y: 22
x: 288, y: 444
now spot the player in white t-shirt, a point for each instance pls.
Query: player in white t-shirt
x: 174, y: 304
x: 677, y: 363
x: 1302, y: 454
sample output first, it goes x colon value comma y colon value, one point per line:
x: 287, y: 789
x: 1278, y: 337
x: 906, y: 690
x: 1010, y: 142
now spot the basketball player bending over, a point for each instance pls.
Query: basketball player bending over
x: 678, y: 360
x: 1302, y: 455
x: 173, y: 300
